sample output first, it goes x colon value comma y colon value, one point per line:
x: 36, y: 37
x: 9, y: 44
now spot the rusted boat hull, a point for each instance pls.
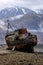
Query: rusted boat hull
x: 22, y: 40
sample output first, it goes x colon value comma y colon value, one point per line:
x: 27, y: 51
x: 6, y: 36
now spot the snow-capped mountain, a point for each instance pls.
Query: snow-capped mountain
x: 39, y: 11
x: 19, y: 18
x: 11, y: 12
x: 32, y: 22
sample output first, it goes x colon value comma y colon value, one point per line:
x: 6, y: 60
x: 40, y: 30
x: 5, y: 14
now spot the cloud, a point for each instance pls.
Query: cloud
x: 31, y: 4
x: 41, y: 27
x: 3, y: 25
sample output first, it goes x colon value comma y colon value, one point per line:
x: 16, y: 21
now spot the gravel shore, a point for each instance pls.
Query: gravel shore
x: 20, y: 58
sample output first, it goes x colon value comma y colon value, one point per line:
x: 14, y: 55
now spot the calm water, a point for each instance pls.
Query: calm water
x: 38, y: 48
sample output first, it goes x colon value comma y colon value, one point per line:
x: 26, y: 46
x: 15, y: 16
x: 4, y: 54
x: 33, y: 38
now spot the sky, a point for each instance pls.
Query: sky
x: 31, y: 4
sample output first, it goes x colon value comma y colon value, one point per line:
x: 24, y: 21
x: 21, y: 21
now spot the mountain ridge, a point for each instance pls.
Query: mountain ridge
x: 30, y: 20
x: 10, y: 12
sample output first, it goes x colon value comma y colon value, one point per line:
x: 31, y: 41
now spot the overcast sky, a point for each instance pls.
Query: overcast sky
x: 31, y: 4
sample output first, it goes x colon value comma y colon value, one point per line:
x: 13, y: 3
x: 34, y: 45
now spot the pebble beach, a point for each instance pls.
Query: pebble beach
x: 8, y: 57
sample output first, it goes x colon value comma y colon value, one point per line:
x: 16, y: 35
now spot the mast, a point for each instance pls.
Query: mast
x: 8, y: 27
